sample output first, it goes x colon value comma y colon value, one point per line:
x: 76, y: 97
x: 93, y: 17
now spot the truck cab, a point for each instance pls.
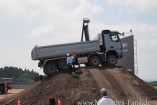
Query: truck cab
x: 111, y: 46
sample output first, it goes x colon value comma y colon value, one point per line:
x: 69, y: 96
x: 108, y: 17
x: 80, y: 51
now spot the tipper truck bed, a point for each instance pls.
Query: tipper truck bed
x: 55, y: 51
x: 105, y: 49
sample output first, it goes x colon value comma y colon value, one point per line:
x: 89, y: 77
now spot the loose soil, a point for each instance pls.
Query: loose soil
x: 85, y: 85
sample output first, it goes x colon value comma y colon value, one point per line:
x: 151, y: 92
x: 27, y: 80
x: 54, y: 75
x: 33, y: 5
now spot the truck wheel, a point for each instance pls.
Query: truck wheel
x: 50, y: 69
x: 112, y: 60
x: 95, y: 61
x: 3, y: 91
x: 44, y: 70
x: 62, y: 64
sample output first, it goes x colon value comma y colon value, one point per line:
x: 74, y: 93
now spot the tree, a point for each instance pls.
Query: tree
x: 18, y: 74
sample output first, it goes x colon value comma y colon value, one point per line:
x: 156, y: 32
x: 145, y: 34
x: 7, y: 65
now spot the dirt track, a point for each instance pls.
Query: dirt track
x: 13, y: 91
x: 85, y: 85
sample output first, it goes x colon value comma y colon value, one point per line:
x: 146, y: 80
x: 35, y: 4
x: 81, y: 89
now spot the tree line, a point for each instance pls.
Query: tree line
x: 18, y: 74
x: 152, y: 82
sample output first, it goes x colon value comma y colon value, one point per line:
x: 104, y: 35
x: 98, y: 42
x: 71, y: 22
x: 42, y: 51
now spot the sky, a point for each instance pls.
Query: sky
x: 26, y: 23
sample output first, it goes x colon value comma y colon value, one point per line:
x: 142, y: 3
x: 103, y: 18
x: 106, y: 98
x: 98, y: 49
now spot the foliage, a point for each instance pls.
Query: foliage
x: 152, y: 82
x: 18, y: 74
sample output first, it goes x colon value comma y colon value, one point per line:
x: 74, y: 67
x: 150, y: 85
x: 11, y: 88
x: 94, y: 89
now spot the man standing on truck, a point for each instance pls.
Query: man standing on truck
x: 73, y: 61
x: 69, y: 63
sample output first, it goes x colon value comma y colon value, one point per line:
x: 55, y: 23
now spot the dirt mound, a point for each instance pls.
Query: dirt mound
x: 84, y: 86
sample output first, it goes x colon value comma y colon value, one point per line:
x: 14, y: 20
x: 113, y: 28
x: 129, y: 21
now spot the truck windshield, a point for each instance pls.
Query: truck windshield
x: 115, y: 38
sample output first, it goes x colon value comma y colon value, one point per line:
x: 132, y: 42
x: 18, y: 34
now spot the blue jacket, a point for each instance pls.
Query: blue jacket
x: 69, y: 61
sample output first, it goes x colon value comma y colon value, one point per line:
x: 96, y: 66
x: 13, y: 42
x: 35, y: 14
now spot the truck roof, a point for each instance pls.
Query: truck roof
x: 109, y: 31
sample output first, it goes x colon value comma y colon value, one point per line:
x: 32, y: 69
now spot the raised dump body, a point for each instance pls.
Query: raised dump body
x: 54, y: 51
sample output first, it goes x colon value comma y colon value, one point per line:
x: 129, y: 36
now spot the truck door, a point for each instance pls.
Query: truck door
x: 107, y: 42
x: 115, y: 43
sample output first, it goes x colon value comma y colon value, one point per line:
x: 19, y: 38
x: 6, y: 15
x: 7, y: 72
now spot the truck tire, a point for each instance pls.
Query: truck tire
x: 62, y: 65
x: 50, y: 69
x: 95, y: 61
x: 3, y: 91
x: 112, y: 60
x: 44, y: 70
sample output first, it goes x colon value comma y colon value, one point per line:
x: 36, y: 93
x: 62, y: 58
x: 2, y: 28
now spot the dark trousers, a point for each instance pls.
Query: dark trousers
x: 70, y: 69
x: 73, y: 66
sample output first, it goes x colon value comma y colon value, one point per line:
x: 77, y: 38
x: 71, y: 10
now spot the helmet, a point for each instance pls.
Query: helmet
x: 52, y: 101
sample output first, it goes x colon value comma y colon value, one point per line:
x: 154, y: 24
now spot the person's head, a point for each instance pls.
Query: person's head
x: 68, y: 54
x: 52, y: 101
x: 103, y: 92
x: 72, y: 53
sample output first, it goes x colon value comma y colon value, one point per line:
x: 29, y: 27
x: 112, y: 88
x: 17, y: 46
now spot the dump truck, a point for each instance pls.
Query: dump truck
x: 4, y: 84
x: 106, y: 48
